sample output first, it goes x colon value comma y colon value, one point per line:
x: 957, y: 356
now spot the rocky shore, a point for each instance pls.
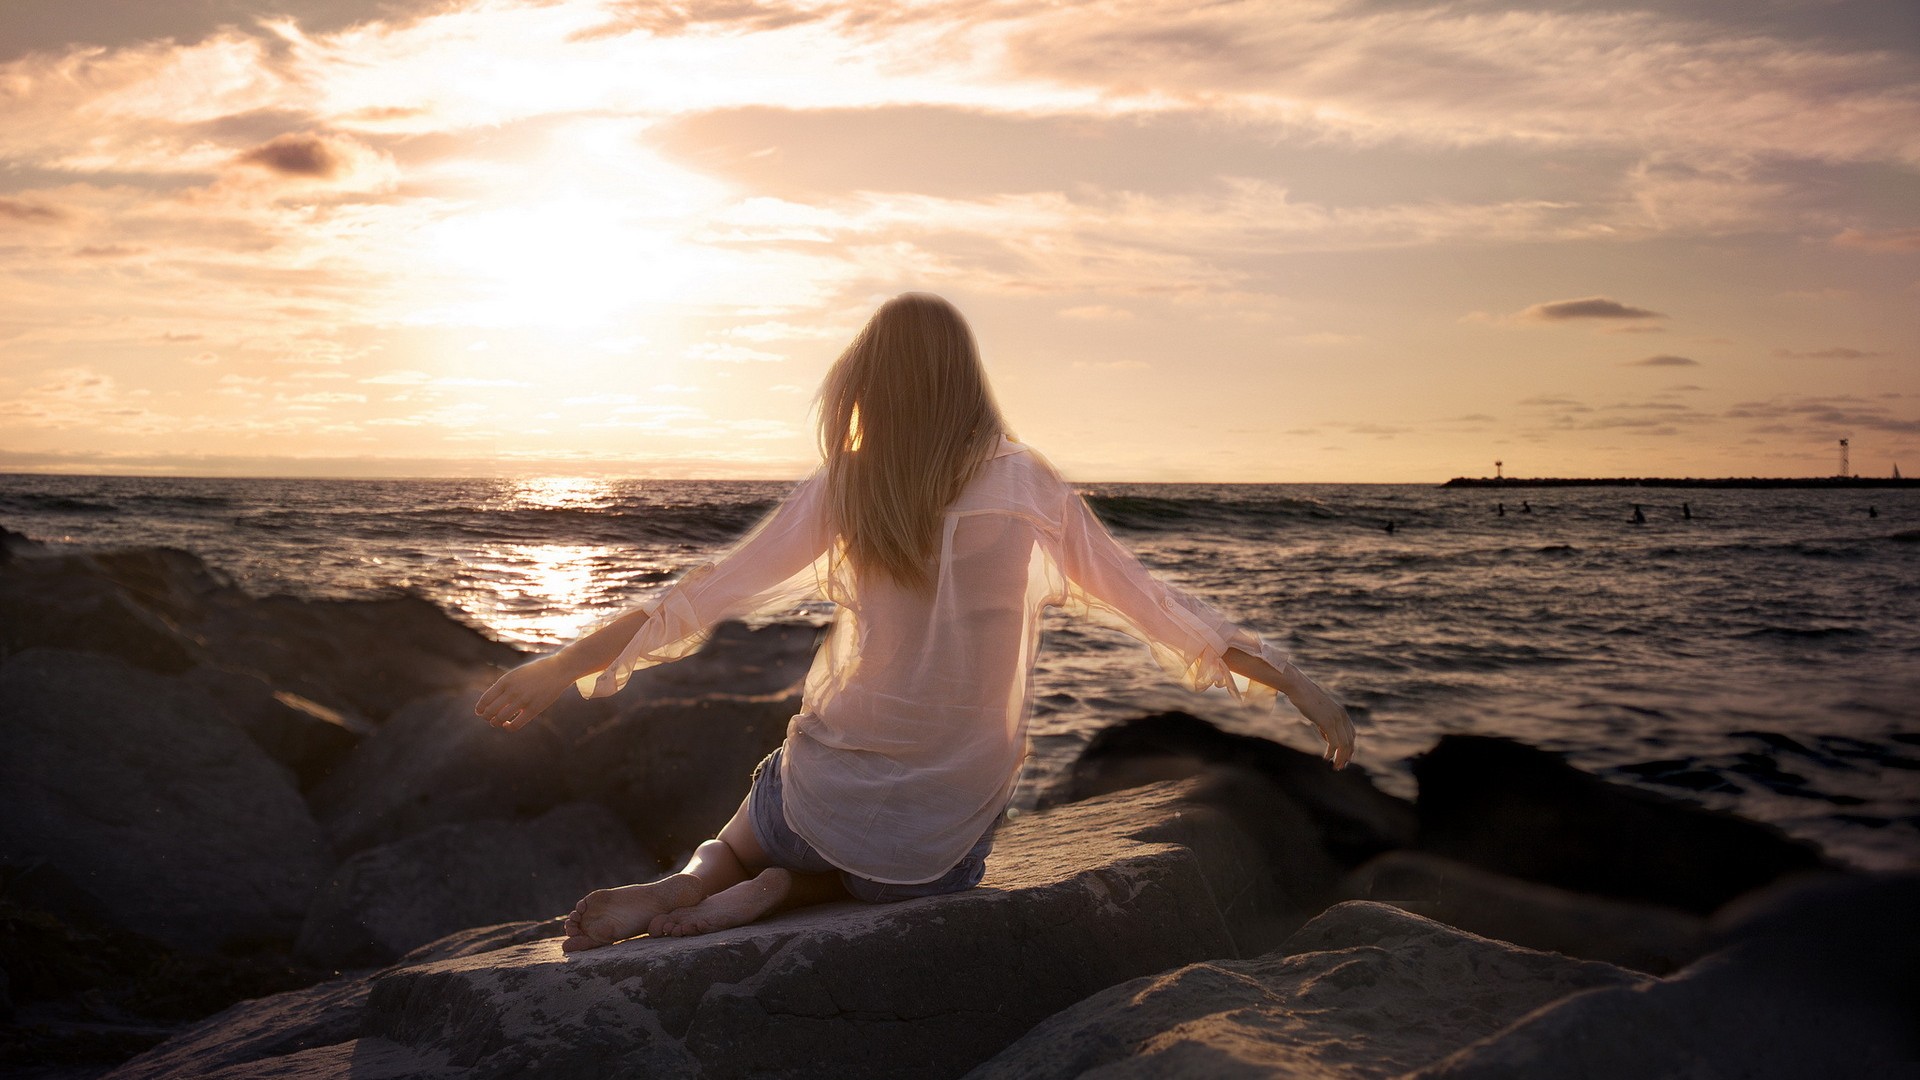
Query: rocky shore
x: 261, y: 836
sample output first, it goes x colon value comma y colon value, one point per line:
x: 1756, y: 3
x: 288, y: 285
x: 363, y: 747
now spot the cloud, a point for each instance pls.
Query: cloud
x: 1837, y: 353
x: 1665, y: 360
x: 1831, y: 415
x: 1589, y: 307
x: 1886, y: 240
x: 308, y: 156
x: 1096, y: 313
x: 32, y: 213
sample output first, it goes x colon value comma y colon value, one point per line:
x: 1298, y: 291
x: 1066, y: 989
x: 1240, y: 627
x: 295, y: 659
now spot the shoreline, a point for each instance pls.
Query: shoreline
x: 1843, y: 482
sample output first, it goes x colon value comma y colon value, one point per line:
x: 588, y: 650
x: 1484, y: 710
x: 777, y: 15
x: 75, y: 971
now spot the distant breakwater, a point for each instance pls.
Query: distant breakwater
x: 1685, y: 482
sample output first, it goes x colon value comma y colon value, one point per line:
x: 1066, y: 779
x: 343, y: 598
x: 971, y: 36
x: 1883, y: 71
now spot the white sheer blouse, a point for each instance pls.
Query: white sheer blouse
x: 913, y: 723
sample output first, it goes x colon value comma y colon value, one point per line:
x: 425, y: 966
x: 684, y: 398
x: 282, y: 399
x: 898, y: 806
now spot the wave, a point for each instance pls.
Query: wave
x: 29, y: 502
x: 1803, y: 633
x: 702, y: 526
x: 1156, y: 512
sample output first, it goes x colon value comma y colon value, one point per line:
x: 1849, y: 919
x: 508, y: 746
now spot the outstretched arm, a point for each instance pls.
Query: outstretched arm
x: 1314, y: 703
x: 525, y: 692
x: 1189, y: 637
x: 771, y: 565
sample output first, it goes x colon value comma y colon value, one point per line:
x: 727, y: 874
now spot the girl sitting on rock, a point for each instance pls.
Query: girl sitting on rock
x: 941, y: 539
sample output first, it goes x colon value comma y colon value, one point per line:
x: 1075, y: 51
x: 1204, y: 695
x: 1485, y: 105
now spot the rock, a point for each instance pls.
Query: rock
x: 435, y: 763
x: 1073, y: 902
x: 1819, y: 977
x: 737, y: 661
x: 65, y: 602
x: 13, y: 543
x: 1355, y: 819
x: 166, y: 610
x: 1644, y: 937
x: 1507, y: 807
x: 155, y: 813
x: 673, y: 768
x: 305, y: 736
x: 1365, y: 990
x: 389, y: 899
x: 370, y: 657
x: 675, y: 771
x: 266, y: 1035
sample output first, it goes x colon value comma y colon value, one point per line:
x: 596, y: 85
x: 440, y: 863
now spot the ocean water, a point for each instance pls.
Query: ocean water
x: 1763, y: 656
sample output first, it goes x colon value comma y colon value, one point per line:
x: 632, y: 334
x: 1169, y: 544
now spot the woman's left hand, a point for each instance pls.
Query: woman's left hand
x: 1323, y: 712
x: 517, y: 697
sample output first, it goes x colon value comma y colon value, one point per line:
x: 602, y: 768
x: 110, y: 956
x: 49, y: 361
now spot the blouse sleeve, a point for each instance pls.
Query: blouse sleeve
x: 1189, y: 638
x: 780, y: 562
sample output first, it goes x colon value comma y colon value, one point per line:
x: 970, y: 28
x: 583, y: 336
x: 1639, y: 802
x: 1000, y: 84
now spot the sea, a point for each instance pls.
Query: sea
x: 1751, y: 650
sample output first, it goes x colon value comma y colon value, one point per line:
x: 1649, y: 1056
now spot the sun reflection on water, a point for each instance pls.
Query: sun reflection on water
x: 547, y: 594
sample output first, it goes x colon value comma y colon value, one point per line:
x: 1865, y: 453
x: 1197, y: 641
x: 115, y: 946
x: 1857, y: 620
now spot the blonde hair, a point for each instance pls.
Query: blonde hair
x: 906, y: 417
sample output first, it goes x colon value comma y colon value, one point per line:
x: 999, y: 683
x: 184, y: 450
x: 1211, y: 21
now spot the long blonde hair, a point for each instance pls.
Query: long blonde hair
x: 906, y: 416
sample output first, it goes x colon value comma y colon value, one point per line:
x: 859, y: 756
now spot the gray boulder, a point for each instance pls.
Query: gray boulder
x: 1365, y: 990
x: 63, y: 601
x: 1644, y: 937
x: 278, y: 1035
x: 149, y: 809
x: 305, y: 736
x: 670, y: 756
x: 435, y: 763
x: 390, y: 899
x: 165, y: 610
x: 1075, y: 899
x: 1817, y: 977
x: 1516, y: 810
x: 675, y: 771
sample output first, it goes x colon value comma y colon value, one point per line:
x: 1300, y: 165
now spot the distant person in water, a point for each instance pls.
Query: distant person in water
x: 1500, y: 509
x: 1526, y: 507
x: 1873, y: 511
x: 941, y: 539
x: 1390, y: 526
x: 1639, y: 515
x: 1686, y: 511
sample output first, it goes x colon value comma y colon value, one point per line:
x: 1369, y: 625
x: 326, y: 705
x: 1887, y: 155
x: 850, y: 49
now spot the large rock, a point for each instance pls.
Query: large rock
x: 435, y: 763
x: 1365, y: 990
x: 675, y: 771
x: 1644, y: 937
x: 166, y: 610
x: 670, y: 756
x: 1075, y: 899
x: 371, y: 657
x: 1819, y: 977
x: 270, y: 1035
x: 1507, y: 807
x: 146, y: 808
x: 50, y: 600
x: 1353, y: 819
x: 390, y: 899
x: 305, y: 736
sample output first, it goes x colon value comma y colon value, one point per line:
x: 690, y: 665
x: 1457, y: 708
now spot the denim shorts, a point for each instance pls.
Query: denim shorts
x: 785, y: 848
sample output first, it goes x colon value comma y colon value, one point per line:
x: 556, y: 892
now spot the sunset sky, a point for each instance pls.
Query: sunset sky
x: 1329, y: 240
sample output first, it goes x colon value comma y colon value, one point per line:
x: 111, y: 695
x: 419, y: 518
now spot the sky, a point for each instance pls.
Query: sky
x: 1315, y: 241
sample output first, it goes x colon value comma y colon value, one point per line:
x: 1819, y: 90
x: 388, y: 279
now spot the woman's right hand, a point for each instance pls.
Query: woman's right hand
x: 517, y: 697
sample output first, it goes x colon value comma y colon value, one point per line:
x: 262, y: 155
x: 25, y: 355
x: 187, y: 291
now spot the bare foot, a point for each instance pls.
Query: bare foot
x: 605, y: 916
x: 738, y: 906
